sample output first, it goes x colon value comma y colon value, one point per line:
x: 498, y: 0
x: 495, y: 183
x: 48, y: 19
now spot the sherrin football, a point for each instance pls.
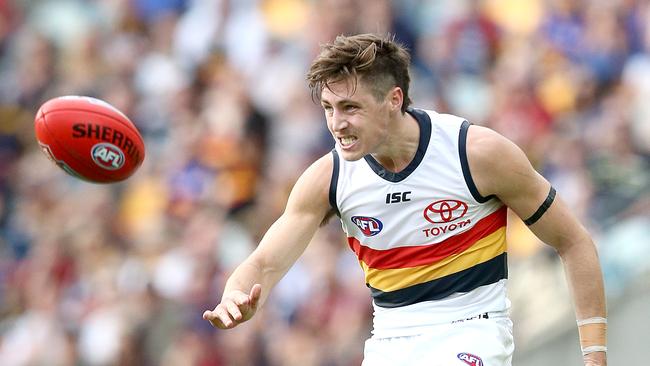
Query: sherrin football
x: 89, y: 138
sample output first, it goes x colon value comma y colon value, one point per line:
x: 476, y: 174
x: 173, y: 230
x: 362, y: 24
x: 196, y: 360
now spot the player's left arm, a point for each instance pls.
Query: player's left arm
x: 500, y: 168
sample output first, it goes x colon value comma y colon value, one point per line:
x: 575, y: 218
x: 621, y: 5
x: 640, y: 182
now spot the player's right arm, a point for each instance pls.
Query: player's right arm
x: 284, y: 242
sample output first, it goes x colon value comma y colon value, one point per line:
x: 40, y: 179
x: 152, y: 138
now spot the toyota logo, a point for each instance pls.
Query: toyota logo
x: 444, y: 211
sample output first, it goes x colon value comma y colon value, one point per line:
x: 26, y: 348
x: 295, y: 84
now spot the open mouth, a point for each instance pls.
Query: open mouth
x: 347, y: 141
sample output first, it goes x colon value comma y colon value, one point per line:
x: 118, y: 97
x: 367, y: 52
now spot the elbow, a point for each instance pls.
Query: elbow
x: 579, y: 244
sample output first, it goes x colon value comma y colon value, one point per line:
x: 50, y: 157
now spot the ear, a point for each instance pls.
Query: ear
x: 395, y: 97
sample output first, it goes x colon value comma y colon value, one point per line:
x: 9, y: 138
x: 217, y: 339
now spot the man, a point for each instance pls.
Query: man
x: 422, y: 198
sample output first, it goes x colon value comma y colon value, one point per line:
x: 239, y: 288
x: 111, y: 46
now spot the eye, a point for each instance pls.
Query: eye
x: 328, y: 109
x: 349, y: 108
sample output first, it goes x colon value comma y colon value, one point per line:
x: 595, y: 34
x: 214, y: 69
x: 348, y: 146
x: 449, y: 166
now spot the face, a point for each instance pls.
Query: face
x: 359, y: 123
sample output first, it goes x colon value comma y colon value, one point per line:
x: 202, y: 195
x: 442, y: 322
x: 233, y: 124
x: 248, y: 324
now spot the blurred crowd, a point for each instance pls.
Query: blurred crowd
x: 120, y: 274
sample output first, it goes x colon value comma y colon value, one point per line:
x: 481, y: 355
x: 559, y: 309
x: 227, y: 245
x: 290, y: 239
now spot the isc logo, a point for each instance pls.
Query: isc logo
x: 107, y: 156
x: 369, y: 226
x: 397, y: 197
x: 470, y: 359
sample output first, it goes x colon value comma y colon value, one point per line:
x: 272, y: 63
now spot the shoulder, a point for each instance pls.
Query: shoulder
x: 320, y: 169
x: 483, y: 143
x: 311, y: 190
x: 494, y: 160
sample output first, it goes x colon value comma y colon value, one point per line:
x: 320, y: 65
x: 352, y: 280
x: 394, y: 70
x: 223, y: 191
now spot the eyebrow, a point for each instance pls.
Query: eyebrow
x: 340, y: 102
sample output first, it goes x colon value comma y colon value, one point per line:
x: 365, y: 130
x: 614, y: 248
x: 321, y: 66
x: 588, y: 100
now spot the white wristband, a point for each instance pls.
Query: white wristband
x: 594, y: 320
x: 592, y: 349
x: 593, y: 334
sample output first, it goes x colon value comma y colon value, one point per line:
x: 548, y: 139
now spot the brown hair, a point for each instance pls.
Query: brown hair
x: 380, y: 62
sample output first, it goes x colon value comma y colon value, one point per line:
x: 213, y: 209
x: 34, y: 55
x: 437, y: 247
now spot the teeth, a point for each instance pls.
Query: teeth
x: 348, y: 140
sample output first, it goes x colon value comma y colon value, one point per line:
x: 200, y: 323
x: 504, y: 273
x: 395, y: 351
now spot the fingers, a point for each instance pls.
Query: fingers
x: 240, y: 298
x: 234, y: 308
x: 254, y: 296
x: 219, y: 317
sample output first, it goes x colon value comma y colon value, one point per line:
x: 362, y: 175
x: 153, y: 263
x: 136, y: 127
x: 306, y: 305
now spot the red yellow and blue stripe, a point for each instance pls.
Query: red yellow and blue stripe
x: 409, y: 274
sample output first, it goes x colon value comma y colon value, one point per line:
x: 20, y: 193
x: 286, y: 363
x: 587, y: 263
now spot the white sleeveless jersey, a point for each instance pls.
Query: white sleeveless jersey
x: 432, y: 249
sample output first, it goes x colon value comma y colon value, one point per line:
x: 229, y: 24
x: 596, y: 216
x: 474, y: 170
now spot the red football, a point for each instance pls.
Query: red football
x: 89, y: 138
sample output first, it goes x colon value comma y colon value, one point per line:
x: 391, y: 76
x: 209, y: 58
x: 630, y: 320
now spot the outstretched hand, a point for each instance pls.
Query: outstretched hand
x: 235, y: 308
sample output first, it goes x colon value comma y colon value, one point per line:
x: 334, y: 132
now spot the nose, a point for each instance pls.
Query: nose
x: 338, y: 121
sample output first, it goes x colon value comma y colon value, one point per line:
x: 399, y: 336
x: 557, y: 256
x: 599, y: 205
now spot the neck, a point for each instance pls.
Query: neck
x: 401, y: 144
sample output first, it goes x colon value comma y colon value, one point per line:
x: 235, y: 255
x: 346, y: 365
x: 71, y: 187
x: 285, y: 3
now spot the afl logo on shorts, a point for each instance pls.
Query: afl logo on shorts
x: 444, y: 211
x: 107, y: 156
x: 470, y: 359
x: 369, y: 226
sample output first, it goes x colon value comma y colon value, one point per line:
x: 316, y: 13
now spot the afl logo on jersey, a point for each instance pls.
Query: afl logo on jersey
x: 444, y: 211
x: 369, y: 226
x: 470, y: 359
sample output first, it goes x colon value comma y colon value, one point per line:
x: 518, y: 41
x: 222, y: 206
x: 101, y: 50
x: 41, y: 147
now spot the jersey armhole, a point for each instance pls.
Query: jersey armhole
x: 462, y: 151
x: 334, y: 182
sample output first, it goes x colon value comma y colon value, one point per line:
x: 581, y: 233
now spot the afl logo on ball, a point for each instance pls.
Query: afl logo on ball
x: 444, y: 211
x: 107, y: 156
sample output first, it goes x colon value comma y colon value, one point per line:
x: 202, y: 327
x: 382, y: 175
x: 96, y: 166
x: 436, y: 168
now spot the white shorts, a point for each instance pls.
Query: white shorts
x: 475, y: 342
